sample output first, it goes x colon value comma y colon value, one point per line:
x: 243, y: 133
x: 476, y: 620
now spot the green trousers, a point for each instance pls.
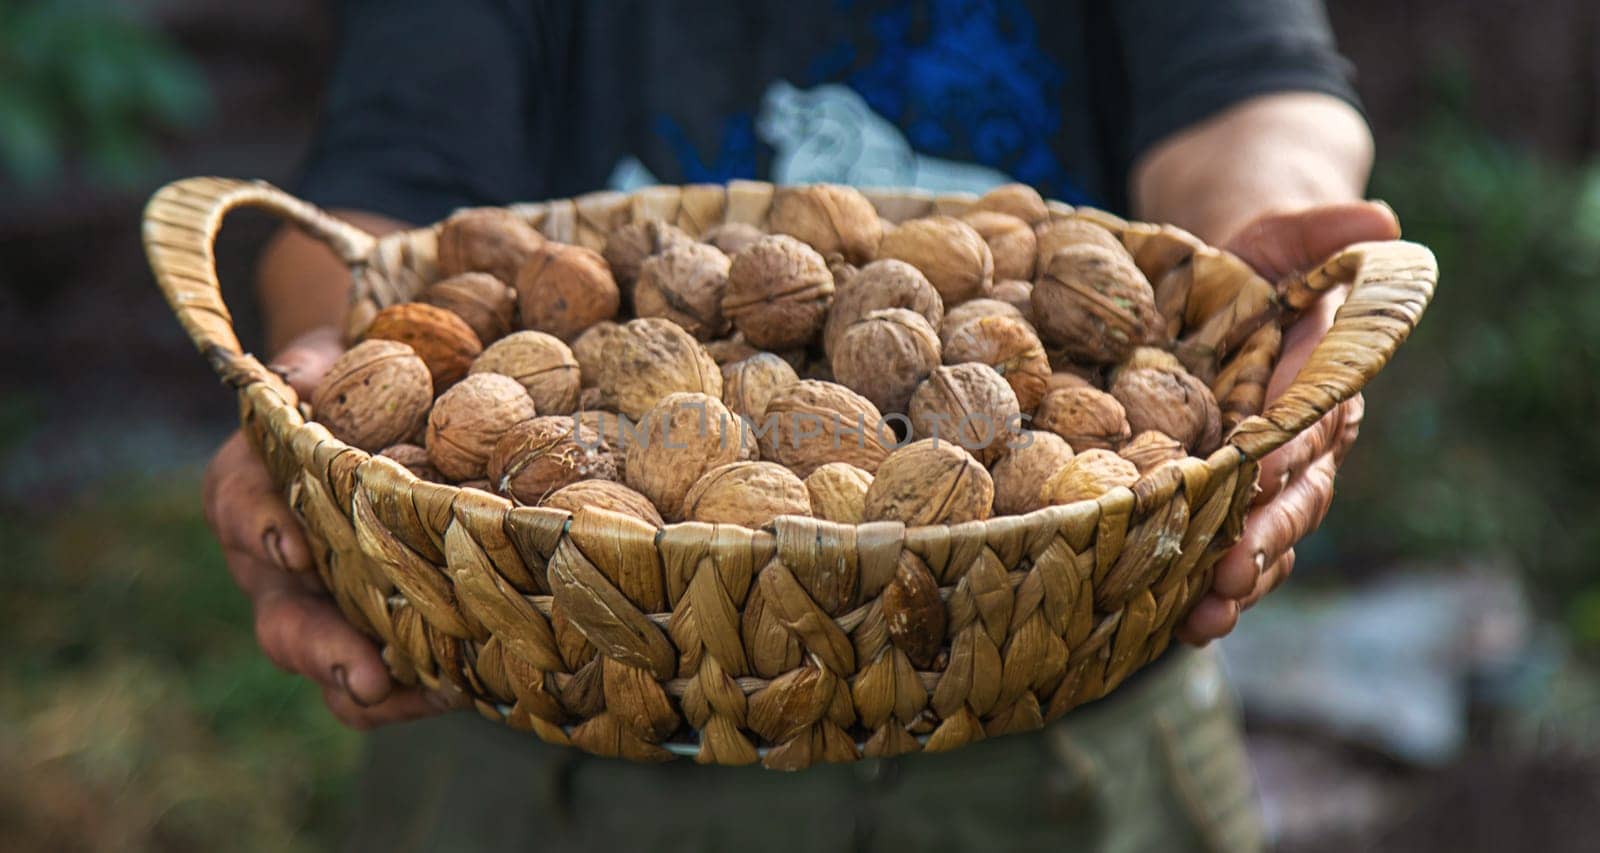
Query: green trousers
x: 1157, y: 766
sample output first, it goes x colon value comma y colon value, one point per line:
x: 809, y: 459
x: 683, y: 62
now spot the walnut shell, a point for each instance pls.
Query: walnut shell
x: 1019, y: 200
x: 747, y: 385
x: 604, y: 494
x: 1066, y: 379
x: 1087, y: 418
x: 885, y: 355
x: 1073, y: 231
x: 1017, y: 294
x: 413, y: 458
x: 628, y: 246
x: 590, y: 348
x: 539, y: 456
x: 679, y: 439
x: 376, y: 394
x: 565, y: 289
x: 1154, y: 358
x: 487, y: 304
x: 874, y: 287
x: 1093, y: 304
x: 613, y: 430
x: 486, y: 240
x: 650, y: 358
x: 1150, y: 449
x: 838, y: 492
x: 732, y: 237
x: 929, y: 482
x: 1020, y: 475
x: 835, y: 220
x: 470, y: 418
x: 685, y: 284
x: 948, y: 251
x: 1087, y: 476
x: 970, y: 405
x: 542, y: 363
x: 976, y: 309
x: 1010, y: 346
x: 726, y: 351
x: 811, y: 423
x: 750, y: 494
x: 1012, y: 243
x: 778, y: 292
x: 444, y: 342
x: 1173, y: 403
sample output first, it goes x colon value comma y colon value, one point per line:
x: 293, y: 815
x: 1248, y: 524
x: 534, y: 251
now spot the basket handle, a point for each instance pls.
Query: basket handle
x: 181, y: 223
x: 1391, y: 283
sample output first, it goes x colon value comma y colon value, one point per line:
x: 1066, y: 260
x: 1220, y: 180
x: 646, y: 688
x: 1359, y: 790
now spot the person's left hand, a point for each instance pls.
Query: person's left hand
x: 1297, y: 478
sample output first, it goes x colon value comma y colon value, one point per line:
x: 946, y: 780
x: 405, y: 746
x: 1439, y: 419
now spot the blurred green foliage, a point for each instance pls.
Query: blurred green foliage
x: 84, y: 81
x: 1482, y: 436
x: 136, y: 712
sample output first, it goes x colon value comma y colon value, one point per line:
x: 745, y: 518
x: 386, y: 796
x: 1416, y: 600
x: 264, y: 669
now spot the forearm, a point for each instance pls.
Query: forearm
x: 1273, y: 153
x: 302, y: 285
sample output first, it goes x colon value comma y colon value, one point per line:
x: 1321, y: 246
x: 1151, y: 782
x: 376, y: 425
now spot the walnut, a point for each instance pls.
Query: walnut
x: 684, y: 284
x: 948, y: 251
x: 444, y: 342
x: 1153, y: 358
x: 1011, y: 241
x: 732, y: 237
x: 1017, y: 294
x: 469, y: 419
x: 1093, y: 304
x: 811, y: 423
x: 487, y: 240
x: 413, y: 458
x: 627, y: 247
x: 750, y: 494
x: 487, y: 304
x: 1173, y: 403
x: 1019, y: 200
x: 929, y: 482
x: 376, y: 394
x: 976, y: 309
x: 590, y: 348
x: 725, y: 351
x: 1073, y: 231
x: 885, y: 356
x: 969, y: 405
x: 838, y: 492
x: 747, y: 385
x: 604, y: 494
x: 650, y: 358
x: 876, y: 286
x: 613, y: 430
x: 539, y: 456
x: 1089, y: 475
x: 778, y: 292
x: 837, y: 221
x: 542, y: 363
x: 678, y: 440
x: 1010, y: 346
x: 1086, y: 417
x: 1066, y: 379
x: 565, y: 289
x: 1150, y: 449
x: 1020, y: 475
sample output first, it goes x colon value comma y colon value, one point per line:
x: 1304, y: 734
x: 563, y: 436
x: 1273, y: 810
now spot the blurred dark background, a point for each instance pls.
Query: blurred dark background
x: 135, y: 713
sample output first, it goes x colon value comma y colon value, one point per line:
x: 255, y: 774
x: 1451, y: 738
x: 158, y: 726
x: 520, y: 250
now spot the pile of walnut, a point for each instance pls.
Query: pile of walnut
x: 938, y: 371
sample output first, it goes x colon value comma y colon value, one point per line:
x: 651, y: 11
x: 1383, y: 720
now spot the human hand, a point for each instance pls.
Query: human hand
x: 297, y: 625
x: 1297, y: 478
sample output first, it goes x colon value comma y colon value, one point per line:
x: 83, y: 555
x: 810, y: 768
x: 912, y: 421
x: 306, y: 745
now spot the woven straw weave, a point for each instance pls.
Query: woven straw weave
x: 738, y: 645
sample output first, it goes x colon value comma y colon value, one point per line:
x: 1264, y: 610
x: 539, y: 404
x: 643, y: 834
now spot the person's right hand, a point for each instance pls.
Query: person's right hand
x: 297, y: 625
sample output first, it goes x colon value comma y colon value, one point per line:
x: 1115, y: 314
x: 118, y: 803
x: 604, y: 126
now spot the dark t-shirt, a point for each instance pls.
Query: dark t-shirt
x: 438, y: 104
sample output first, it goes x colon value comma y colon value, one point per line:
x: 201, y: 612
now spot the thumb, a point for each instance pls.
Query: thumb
x: 303, y: 361
x: 1282, y: 243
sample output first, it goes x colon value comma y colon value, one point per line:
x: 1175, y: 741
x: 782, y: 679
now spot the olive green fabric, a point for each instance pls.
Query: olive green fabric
x: 1158, y: 766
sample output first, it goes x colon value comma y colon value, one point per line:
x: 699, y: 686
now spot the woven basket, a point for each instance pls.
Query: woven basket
x: 736, y: 645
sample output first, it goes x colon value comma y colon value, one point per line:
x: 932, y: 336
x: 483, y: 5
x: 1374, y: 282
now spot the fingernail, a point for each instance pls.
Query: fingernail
x: 342, y: 676
x: 1260, y: 559
x: 272, y: 544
